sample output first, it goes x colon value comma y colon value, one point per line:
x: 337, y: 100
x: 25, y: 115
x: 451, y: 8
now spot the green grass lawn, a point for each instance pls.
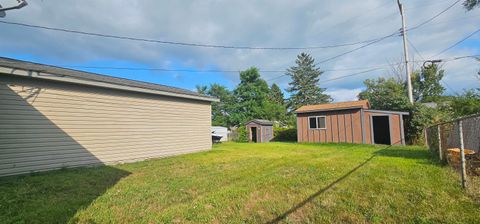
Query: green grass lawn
x: 248, y: 183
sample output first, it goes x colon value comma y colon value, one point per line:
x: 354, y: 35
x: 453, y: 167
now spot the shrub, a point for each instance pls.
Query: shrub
x: 241, y: 135
x: 284, y: 134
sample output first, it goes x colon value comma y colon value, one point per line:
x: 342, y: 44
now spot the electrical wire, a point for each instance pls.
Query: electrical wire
x: 441, y: 80
x: 457, y: 43
x: 388, y: 36
x: 434, y: 17
x: 187, y: 44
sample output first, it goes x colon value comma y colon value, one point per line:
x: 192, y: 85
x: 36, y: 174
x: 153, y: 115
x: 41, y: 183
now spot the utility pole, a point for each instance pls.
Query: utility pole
x: 405, y: 53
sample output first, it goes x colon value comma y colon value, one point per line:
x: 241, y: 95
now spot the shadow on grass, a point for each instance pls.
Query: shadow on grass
x: 381, y: 152
x: 54, y: 197
x: 318, y: 193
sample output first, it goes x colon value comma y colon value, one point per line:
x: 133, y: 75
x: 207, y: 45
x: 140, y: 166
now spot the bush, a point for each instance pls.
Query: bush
x: 421, y: 117
x: 285, y: 134
x: 241, y: 135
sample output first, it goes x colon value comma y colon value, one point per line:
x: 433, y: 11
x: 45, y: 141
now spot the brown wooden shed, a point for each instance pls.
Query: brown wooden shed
x: 350, y: 122
x: 259, y: 130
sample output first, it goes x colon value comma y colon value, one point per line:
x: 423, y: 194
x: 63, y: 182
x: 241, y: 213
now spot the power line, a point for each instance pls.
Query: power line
x: 388, y: 36
x: 187, y: 44
x: 457, y: 43
x: 356, y: 49
x: 193, y: 71
x: 354, y: 74
x: 369, y: 42
x: 382, y: 66
x: 434, y: 17
x: 240, y: 70
x: 444, y: 83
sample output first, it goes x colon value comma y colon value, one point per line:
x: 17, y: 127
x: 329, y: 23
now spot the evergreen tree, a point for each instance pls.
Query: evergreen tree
x: 276, y: 94
x: 304, y: 87
x: 470, y: 4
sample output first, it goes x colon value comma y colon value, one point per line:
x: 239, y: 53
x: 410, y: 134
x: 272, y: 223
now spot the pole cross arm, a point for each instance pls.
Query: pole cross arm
x: 21, y: 4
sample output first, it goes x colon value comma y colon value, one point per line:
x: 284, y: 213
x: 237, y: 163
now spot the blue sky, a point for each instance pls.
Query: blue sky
x: 279, y: 24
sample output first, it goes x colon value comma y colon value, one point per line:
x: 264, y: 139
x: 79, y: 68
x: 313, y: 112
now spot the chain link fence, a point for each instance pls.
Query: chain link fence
x: 457, y: 143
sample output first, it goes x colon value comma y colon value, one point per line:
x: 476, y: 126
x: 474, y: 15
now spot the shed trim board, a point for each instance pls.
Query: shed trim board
x: 359, y: 129
x: 362, y: 122
x: 402, y: 132
x: 310, y: 111
x: 49, y: 123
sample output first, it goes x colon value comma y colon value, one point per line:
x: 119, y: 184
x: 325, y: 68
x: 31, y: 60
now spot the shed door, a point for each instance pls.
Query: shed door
x: 381, y: 130
x: 254, y: 134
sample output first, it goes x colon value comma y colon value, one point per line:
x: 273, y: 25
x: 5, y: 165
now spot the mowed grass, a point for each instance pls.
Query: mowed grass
x: 249, y: 183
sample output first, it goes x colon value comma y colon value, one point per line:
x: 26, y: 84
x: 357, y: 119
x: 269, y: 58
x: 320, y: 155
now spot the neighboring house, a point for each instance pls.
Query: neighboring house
x: 350, y: 122
x: 53, y: 117
x: 221, y: 131
x: 259, y: 130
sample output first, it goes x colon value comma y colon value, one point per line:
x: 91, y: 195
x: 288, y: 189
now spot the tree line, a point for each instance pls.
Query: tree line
x: 253, y: 98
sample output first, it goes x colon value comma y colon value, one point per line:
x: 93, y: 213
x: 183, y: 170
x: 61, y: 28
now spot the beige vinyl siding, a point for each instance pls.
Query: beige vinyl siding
x: 48, y: 125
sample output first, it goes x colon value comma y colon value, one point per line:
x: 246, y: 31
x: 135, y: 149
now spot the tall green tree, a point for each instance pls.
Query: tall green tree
x: 220, y: 110
x: 304, y: 88
x: 276, y: 94
x: 385, y: 94
x: 426, y: 84
x: 470, y: 4
x: 251, y: 100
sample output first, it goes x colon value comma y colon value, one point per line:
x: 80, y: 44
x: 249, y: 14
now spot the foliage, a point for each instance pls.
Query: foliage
x: 241, y: 134
x: 470, y: 4
x: 304, y: 87
x: 251, y: 100
x: 390, y: 94
x: 426, y: 84
x: 248, y: 183
x: 466, y: 104
x: 285, y: 134
x: 276, y: 94
x: 420, y: 117
x: 385, y: 94
x: 220, y: 110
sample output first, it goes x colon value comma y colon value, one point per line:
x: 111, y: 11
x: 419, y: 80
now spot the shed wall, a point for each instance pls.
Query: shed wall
x: 341, y: 126
x: 48, y: 125
x: 395, y: 127
x: 345, y: 126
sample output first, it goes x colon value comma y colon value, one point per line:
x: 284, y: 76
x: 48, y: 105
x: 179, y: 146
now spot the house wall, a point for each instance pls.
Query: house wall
x: 48, y: 125
x: 345, y: 126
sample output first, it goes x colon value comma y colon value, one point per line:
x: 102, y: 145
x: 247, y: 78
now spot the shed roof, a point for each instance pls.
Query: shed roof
x: 88, y: 76
x: 334, y: 106
x: 261, y: 122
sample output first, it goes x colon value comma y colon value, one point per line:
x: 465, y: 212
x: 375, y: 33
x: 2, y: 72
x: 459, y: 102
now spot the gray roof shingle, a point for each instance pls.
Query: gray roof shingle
x: 261, y: 122
x: 31, y: 66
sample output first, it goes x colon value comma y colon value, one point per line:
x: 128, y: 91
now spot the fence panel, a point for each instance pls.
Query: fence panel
x: 447, y: 144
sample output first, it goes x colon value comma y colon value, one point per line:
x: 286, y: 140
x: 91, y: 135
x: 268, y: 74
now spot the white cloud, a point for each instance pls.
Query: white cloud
x: 244, y: 23
x: 341, y: 95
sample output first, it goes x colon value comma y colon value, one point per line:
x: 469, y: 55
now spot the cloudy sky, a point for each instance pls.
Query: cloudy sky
x: 279, y: 23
